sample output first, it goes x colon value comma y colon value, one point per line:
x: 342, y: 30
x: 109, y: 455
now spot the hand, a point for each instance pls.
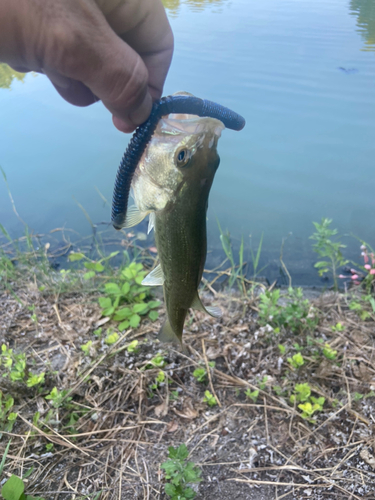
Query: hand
x: 116, y: 51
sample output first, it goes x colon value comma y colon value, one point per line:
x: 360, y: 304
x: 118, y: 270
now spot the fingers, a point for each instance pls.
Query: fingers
x: 122, y: 59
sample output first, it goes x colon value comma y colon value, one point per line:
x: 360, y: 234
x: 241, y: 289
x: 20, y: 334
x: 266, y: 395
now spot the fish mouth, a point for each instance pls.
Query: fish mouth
x: 181, y: 104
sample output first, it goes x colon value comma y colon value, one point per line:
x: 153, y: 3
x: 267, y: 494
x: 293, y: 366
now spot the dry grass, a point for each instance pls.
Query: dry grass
x: 115, y: 447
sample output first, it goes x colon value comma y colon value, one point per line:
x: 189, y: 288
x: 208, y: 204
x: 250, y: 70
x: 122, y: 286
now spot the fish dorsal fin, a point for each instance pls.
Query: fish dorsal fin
x: 212, y: 311
x: 155, y: 278
x: 167, y: 334
x: 151, y: 222
x: 134, y: 216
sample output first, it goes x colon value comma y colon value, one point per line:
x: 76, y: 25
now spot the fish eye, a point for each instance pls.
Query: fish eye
x: 182, y: 157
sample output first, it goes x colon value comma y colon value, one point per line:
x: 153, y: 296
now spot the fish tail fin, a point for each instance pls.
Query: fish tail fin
x: 212, y: 311
x: 167, y: 334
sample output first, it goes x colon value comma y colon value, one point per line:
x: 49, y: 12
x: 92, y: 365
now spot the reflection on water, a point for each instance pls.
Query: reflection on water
x: 7, y: 75
x: 173, y: 6
x: 365, y: 10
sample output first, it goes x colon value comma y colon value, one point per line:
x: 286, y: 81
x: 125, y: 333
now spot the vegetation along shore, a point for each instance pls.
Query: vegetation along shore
x: 275, y: 398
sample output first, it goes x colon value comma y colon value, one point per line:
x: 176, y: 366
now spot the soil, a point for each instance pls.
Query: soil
x: 110, y: 439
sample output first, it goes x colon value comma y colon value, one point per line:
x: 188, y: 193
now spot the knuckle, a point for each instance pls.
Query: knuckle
x: 128, y: 91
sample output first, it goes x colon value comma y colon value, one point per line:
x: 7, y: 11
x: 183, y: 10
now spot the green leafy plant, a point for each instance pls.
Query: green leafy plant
x: 180, y: 473
x: 297, y: 315
x: 328, y: 248
x: 201, y: 374
x: 130, y: 292
x: 111, y: 337
x: 209, y: 399
x: 301, y: 394
x: 253, y: 395
x: 15, y: 368
x: 15, y: 364
x: 338, y: 327
x: 329, y: 353
x: 86, y: 347
x: 309, y: 408
x: 157, y: 361
x: 14, y: 489
x: 132, y: 347
x: 160, y: 379
x: 35, y: 379
x: 58, y: 398
x: 308, y: 404
x: 282, y: 349
x: 263, y: 382
x: 296, y: 361
x: 7, y: 418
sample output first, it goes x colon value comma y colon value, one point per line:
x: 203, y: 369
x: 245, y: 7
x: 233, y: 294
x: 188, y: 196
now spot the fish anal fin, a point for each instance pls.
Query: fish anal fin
x: 167, y: 334
x: 134, y: 216
x: 155, y: 277
x: 212, y: 311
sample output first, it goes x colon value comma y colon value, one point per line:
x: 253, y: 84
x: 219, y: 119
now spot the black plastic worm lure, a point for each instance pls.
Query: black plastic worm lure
x: 141, y: 137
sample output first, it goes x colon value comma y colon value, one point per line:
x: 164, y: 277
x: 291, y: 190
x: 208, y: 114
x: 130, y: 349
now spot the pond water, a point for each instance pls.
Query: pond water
x: 303, y: 76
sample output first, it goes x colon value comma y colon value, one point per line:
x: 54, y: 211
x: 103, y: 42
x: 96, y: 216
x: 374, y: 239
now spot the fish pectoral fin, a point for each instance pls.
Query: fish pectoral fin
x: 212, y: 311
x: 155, y: 278
x: 134, y: 216
x: 167, y: 334
x: 151, y: 222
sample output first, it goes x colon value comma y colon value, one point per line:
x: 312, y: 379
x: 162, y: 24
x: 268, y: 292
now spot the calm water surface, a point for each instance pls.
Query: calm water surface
x: 303, y: 76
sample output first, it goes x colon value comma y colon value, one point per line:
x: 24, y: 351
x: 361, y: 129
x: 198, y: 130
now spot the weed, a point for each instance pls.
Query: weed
x: 255, y: 258
x: 201, y: 374
x: 209, y: 399
x: 160, y: 379
x: 86, y: 347
x: 111, y: 338
x: 308, y: 404
x: 14, y: 489
x: 337, y: 328
x: 296, y: 361
x: 157, y: 361
x: 253, y: 395
x: 356, y: 396
x: 174, y: 395
x: 236, y: 272
x: 179, y: 473
x: 130, y: 292
x: 132, y: 347
x: 263, y: 383
x: 329, y: 353
x: 15, y: 366
x: 7, y: 418
x: 297, y: 315
x: 327, y: 248
x: 357, y: 307
x: 58, y: 398
x: 282, y: 349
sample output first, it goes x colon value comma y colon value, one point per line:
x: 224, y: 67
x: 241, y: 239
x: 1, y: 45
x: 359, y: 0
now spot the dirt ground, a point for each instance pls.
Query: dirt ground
x: 121, y: 427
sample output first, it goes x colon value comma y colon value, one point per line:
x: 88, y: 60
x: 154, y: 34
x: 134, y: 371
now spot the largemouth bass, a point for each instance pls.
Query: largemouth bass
x: 172, y: 184
x: 172, y: 170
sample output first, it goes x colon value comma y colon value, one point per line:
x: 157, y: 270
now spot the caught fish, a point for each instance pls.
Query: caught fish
x: 171, y: 184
